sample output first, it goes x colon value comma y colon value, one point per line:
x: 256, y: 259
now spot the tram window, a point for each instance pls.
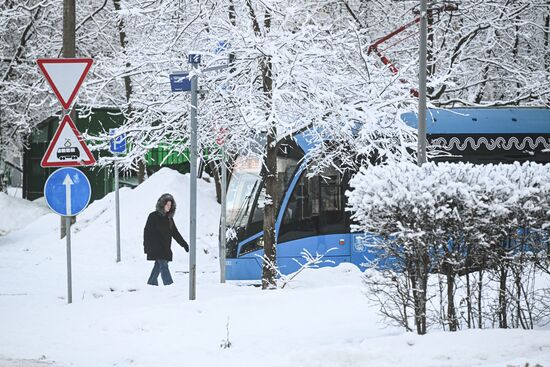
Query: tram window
x: 333, y: 217
x: 251, y: 246
x: 257, y: 221
x: 286, y: 166
x: 301, y: 216
x: 288, y: 157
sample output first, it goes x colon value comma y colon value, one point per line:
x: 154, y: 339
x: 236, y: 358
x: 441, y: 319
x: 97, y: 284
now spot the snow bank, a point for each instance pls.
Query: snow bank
x: 16, y: 213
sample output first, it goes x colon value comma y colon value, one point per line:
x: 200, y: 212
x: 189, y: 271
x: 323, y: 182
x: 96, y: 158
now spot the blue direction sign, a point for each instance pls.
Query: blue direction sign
x: 67, y: 191
x: 117, y: 145
x: 221, y: 47
x: 180, y: 82
x: 194, y: 59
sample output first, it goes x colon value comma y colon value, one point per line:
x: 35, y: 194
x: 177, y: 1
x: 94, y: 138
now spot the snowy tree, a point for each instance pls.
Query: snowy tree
x: 455, y: 220
x: 479, y: 53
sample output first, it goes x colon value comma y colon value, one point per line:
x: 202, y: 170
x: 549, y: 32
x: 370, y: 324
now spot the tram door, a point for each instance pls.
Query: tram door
x: 333, y: 219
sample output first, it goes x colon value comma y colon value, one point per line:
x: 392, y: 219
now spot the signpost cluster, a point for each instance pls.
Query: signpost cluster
x: 67, y: 190
x: 180, y: 82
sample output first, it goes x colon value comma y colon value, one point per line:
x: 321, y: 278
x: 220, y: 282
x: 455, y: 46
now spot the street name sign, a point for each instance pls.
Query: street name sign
x: 67, y: 191
x: 67, y: 148
x: 65, y: 76
x: 194, y: 59
x: 180, y: 82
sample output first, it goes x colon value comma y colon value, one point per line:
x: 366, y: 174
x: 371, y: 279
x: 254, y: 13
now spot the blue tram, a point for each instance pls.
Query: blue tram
x: 311, y: 212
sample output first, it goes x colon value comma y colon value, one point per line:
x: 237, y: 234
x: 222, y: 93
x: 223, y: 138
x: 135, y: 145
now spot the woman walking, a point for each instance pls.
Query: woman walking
x: 157, y: 239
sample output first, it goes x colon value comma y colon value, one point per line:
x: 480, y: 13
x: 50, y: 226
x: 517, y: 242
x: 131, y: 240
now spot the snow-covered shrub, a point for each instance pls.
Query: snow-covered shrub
x: 459, y: 221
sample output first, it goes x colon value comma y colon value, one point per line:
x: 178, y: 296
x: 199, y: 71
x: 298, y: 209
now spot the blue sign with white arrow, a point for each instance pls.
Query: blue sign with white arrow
x: 180, y: 82
x: 194, y: 59
x: 118, y: 143
x: 67, y: 191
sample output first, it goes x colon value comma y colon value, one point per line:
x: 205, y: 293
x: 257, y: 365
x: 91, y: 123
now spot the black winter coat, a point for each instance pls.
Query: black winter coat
x: 157, y: 237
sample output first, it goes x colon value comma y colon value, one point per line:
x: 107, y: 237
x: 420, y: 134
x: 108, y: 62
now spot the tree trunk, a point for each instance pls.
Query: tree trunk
x: 127, y: 81
x: 430, y: 50
x: 468, y: 300
x: 515, y: 52
x: 519, y: 309
x: 479, y: 295
x: 502, y: 299
x: 547, y: 42
x: 217, y: 181
x: 270, y: 209
x: 269, y: 268
x: 424, y: 294
x: 451, y: 311
x: 419, y: 282
x: 547, y: 45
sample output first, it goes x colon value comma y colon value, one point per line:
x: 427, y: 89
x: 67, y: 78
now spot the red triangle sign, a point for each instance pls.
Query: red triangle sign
x: 67, y: 148
x: 65, y: 76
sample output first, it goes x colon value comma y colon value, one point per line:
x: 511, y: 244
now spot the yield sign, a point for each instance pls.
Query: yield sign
x: 67, y: 148
x: 65, y: 76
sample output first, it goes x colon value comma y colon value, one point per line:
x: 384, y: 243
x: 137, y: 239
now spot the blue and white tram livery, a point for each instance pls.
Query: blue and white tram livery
x: 311, y: 212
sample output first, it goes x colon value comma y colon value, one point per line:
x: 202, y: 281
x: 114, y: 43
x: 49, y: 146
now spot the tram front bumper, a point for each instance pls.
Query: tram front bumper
x: 243, y: 269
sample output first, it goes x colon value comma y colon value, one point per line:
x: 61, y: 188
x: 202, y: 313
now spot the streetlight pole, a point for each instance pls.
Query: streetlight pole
x: 422, y: 83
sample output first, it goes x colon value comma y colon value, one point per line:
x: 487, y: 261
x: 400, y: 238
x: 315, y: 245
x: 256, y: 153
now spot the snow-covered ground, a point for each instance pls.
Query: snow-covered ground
x: 322, y: 318
x: 17, y: 213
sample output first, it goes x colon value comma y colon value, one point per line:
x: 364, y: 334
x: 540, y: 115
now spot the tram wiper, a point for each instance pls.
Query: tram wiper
x: 244, y: 207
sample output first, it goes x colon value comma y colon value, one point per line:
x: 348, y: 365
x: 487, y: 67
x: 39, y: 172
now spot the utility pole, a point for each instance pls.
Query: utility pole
x: 69, y: 51
x: 422, y: 83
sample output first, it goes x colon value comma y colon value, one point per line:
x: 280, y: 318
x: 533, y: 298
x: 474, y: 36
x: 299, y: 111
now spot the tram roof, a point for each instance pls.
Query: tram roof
x: 483, y: 120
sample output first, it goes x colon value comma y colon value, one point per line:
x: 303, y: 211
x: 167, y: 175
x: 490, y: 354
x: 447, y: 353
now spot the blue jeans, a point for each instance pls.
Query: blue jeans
x: 160, y: 267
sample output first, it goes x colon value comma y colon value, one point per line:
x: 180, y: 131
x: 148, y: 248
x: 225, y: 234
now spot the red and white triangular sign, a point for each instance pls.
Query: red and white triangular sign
x: 67, y: 148
x: 65, y: 76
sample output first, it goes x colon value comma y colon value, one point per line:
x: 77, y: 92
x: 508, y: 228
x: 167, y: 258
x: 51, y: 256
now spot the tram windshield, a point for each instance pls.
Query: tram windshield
x: 245, y: 183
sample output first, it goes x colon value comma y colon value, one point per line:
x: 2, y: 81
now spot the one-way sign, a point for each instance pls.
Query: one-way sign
x: 67, y: 191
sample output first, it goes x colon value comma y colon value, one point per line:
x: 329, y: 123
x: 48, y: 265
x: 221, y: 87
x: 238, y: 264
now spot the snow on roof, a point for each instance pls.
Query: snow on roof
x: 484, y: 121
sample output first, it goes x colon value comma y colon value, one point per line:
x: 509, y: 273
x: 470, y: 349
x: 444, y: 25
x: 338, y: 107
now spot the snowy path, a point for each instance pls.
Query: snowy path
x: 320, y: 319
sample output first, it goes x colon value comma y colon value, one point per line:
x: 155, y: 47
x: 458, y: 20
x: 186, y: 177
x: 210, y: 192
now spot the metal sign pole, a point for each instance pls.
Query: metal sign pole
x: 69, y: 274
x: 223, y: 224
x: 67, y: 192
x: 193, y: 190
x: 117, y: 206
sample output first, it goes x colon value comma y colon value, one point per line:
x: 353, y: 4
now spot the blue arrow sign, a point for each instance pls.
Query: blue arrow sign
x: 180, y: 82
x: 67, y: 191
x: 221, y: 47
x: 194, y: 59
x: 118, y: 144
